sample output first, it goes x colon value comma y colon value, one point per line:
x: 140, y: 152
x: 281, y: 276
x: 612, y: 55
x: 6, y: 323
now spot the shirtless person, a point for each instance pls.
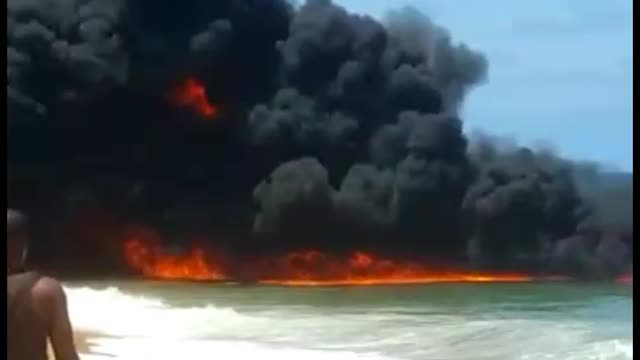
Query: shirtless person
x: 36, y: 305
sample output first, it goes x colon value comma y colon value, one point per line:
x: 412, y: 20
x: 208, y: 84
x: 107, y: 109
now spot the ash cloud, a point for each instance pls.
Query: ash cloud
x: 335, y: 131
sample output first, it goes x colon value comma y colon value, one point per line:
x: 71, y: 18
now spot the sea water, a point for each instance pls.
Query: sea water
x: 139, y: 320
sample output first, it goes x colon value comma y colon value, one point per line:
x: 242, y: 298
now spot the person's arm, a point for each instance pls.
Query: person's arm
x: 59, y: 329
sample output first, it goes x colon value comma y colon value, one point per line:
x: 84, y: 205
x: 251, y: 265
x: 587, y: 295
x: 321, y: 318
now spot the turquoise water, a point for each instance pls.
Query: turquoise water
x: 444, y: 321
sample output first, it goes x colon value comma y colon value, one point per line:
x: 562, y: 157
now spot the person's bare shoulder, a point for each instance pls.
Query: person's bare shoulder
x: 48, y: 293
x: 48, y: 287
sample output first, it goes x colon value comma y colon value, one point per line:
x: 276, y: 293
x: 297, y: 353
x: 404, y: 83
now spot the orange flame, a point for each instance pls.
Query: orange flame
x: 302, y: 268
x: 143, y: 253
x: 312, y: 268
x: 191, y: 93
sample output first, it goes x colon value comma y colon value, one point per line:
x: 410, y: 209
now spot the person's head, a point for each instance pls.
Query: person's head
x: 17, y: 238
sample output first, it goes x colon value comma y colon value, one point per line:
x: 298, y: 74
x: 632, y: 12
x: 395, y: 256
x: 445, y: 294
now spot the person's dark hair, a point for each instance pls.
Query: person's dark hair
x: 16, y: 222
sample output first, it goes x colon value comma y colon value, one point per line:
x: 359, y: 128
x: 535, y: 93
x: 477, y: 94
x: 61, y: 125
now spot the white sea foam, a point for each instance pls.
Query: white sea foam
x: 143, y: 328
x: 115, y: 313
x: 600, y: 350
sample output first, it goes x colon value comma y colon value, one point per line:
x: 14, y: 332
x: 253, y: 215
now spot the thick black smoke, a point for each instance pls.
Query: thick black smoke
x: 335, y: 132
x: 531, y: 208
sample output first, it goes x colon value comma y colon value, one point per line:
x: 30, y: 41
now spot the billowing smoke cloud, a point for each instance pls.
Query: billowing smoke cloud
x: 534, y: 209
x: 333, y: 131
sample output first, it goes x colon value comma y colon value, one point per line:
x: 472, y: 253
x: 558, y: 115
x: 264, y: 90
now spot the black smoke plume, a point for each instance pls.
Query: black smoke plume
x: 334, y: 131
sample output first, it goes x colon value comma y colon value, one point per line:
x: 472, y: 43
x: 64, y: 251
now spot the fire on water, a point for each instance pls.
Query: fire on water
x: 144, y: 254
x: 425, y: 279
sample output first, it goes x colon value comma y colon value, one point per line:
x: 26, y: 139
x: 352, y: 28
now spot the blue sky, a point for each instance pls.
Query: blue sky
x: 560, y: 71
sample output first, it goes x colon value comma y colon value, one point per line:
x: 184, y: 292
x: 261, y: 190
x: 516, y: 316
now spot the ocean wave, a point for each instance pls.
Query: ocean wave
x: 138, y: 327
x: 112, y: 312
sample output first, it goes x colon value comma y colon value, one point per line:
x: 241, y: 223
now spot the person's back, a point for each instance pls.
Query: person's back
x: 26, y: 332
x: 36, y: 305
